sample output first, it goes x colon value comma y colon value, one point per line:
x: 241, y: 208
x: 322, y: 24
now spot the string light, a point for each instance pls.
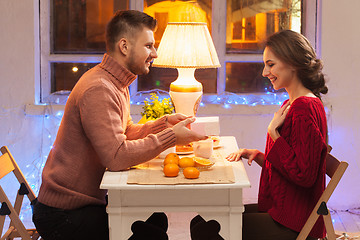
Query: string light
x: 226, y: 99
x: 227, y: 106
x: 51, y: 123
x: 52, y: 119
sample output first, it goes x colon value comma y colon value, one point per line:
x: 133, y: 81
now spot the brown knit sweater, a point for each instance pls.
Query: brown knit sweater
x: 96, y: 133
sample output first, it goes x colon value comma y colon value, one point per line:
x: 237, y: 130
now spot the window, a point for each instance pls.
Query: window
x: 245, y: 77
x: 249, y: 23
x: 73, y: 34
x: 72, y: 40
x: 79, y: 26
x: 64, y: 75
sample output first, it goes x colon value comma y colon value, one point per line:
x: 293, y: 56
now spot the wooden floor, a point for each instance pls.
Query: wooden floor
x: 179, y: 224
x: 348, y: 222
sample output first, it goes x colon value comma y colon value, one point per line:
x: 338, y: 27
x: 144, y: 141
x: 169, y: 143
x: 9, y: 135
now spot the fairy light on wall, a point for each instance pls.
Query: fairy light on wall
x: 50, y: 125
x: 52, y: 119
x: 227, y: 99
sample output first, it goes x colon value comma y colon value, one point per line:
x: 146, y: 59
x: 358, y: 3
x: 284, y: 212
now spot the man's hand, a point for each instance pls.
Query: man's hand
x: 175, y: 118
x: 184, y: 135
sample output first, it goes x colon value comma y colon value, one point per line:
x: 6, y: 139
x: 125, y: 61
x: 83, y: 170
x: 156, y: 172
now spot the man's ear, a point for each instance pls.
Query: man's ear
x: 123, y: 45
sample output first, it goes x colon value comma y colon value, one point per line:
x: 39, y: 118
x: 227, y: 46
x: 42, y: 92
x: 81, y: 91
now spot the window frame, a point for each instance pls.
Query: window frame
x: 310, y: 28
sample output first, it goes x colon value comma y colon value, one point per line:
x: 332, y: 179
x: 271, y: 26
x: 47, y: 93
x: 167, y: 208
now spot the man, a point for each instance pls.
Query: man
x: 96, y: 133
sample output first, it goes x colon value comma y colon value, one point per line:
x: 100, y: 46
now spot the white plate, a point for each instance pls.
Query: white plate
x: 191, y: 152
x: 184, y: 153
x: 218, y: 146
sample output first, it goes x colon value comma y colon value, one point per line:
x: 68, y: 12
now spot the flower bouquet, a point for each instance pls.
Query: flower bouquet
x: 154, y: 108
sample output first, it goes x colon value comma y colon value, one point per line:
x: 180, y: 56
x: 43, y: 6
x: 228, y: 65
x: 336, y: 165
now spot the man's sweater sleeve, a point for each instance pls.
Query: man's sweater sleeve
x: 136, y: 131
x: 102, y: 120
x: 299, y: 159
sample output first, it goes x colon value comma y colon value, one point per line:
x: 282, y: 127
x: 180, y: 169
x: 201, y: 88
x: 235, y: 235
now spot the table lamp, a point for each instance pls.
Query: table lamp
x: 186, y: 46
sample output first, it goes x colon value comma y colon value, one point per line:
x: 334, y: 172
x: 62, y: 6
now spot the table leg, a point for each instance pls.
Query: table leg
x: 231, y: 223
x: 124, y: 209
x: 236, y: 211
x: 222, y: 218
x: 120, y: 222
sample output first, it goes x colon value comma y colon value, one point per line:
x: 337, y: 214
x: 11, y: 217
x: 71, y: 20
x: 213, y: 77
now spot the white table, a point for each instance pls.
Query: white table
x: 222, y: 202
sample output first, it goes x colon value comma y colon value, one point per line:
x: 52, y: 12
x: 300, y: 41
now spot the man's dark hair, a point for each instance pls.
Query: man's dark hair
x: 125, y: 23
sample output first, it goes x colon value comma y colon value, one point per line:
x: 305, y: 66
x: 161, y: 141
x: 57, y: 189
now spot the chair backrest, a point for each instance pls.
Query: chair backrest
x: 332, y: 165
x: 6, y: 165
x: 16, y: 227
x: 335, y: 170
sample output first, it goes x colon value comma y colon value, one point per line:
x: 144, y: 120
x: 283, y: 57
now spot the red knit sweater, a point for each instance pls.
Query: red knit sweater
x: 293, y: 176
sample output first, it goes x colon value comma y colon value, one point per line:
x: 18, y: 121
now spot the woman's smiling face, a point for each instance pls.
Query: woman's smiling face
x: 279, y: 73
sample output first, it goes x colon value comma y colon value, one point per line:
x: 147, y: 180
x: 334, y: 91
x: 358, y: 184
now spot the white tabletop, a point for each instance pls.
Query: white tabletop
x: 118, y: 180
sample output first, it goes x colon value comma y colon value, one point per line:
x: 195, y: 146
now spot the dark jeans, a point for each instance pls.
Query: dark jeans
x: 260, y: 226
x: 90, y: 222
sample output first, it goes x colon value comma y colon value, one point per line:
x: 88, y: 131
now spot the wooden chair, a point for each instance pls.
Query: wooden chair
x: 16, y: 228
x: 335, y: 170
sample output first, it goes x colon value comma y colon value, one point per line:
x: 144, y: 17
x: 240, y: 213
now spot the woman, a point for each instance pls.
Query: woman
x: 293, y: 169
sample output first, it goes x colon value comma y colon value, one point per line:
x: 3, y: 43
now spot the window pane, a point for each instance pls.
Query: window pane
x: 177, y: 11
x: 65, y: 75
x: 250, y: 22
x: 79, y: 26
x: 246, y: 77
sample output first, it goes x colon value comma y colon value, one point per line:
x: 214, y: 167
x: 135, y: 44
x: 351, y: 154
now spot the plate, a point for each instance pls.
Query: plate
x: 218, y: 146
x: 184, y: 153
x: 191, y: 152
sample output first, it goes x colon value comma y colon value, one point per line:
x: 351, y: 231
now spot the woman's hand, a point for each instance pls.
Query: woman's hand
x: 250, y: 154
x: 277, y: 121
x: 175, y: 118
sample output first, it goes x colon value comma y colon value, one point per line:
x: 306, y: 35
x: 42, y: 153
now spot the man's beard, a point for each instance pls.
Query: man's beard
x: 136, y: 68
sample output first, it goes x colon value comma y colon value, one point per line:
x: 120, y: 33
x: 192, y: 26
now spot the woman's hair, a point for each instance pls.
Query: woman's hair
x: 294, y: 49
x: 127, y: 24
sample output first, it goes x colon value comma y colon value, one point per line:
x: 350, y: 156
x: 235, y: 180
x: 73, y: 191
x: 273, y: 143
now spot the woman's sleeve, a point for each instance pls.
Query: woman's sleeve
x: 298, y: 158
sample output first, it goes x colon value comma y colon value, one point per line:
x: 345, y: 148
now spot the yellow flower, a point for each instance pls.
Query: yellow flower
x: 154, y: 109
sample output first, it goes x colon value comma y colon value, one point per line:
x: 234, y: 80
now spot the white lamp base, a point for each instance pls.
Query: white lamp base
x: 186, y: 102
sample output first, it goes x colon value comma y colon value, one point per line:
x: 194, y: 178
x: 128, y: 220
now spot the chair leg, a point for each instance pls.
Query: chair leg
x: 329, y: 227
x: 35, y: 235
x: 2, y: 221
x: 8, y: 232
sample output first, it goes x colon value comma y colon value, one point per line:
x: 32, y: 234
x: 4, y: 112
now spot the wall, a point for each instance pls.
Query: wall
x: 18, y: 69
x: 23, y: 133
x: 341, y: 56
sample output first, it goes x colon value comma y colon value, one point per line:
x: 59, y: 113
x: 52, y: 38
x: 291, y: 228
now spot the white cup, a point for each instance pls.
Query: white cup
x: 203, y: 148
x: 164, y: 153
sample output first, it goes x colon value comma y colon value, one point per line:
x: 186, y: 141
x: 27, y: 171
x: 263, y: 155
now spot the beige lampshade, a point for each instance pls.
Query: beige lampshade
x: 186, y: 45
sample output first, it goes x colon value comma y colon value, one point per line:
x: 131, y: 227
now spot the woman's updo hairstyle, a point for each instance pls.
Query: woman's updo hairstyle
x: 294, y: 49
